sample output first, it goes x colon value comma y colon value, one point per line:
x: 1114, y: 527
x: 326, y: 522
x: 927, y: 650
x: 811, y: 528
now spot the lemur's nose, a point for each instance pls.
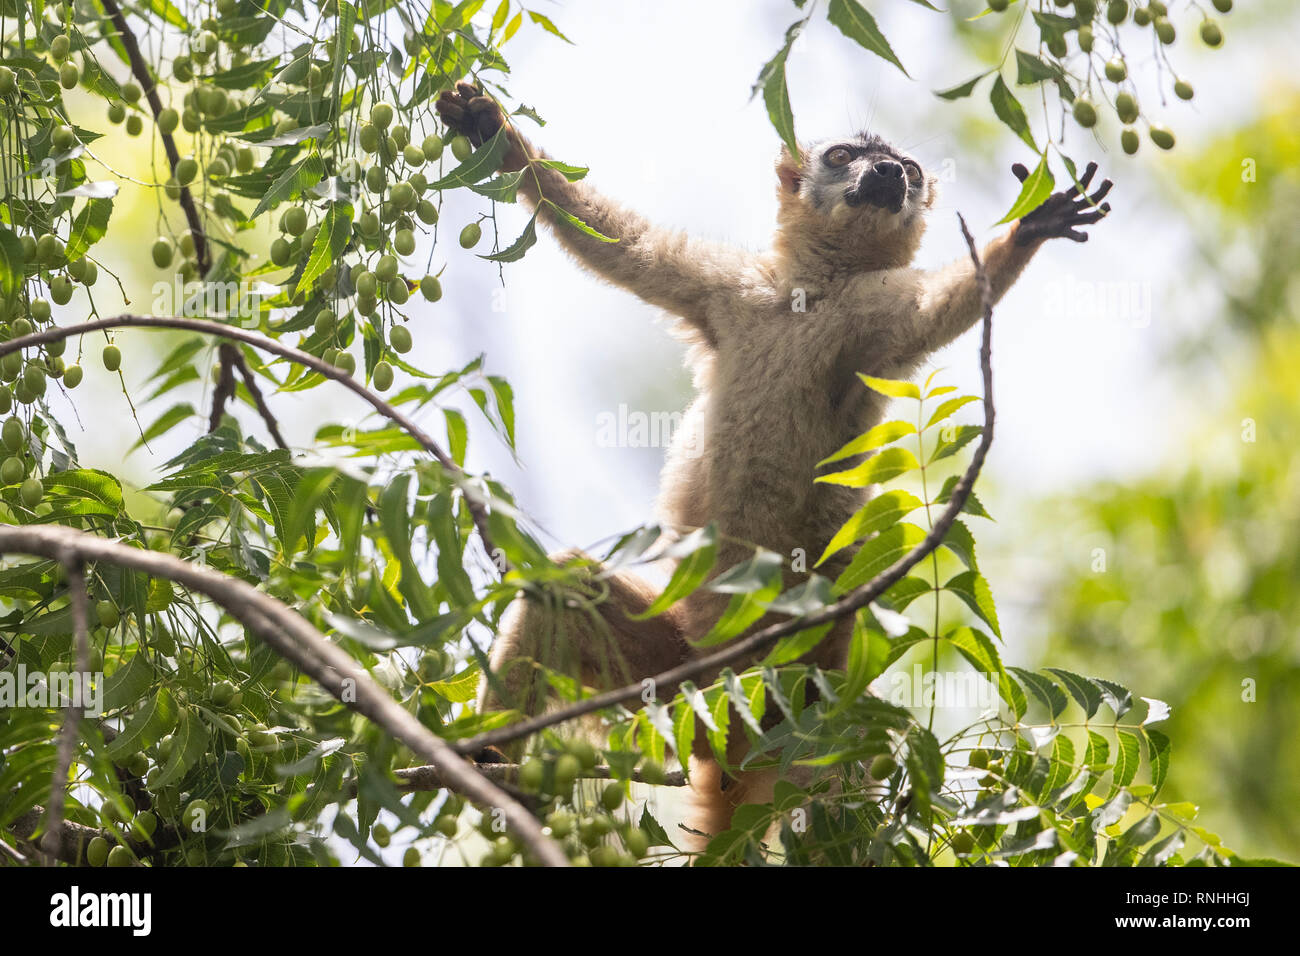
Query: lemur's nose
x: 888, y: 169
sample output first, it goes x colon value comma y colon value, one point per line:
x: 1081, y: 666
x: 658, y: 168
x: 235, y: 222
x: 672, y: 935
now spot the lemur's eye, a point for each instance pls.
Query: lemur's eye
x: 838, y: 156
x: 913, y: 171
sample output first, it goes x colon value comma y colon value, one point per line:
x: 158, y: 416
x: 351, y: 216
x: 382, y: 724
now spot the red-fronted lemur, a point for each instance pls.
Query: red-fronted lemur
x: 776, y: 338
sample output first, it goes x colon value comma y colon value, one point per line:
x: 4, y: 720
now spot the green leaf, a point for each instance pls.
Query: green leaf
x: 155, y: 717
x: 90, y: 226
x: 1097, y: 756
x: 879, y: 513
x: 873, y: 438
x: 1084, y: 691
x: 577, y: 223
x: 503, y: 188
x: 879, y: 554
x: 291, y: 183
x: 191, y: 742
x: 961, y: 542
x: 699, y: 551
x: 87, y: 483
x: 544, y: 22
x: 891, y: 387
x: 776, y: 95
x: 860, y: 26
x: 128, y: 683
x: 972, y: 505
x: 1009, y: 110
x: 1127, y: 757
x: 1117, y: 697
x: 457, y: 434
x: 331, y: 240
x: 952, y: 439
x: 168, y: 420
x: 12, y: 269
x: 515, y: 251
x: 1033, y: 192
x: 1158, y: 752
x: 962, y: 91
x: 485, y: 161
x: 971, y: 587
x: 1046, y: 690
x: 1030, y: 69
x: 879, y: 468
x: 949, y: 407
x: 684, y: 735
x: 505, y: 399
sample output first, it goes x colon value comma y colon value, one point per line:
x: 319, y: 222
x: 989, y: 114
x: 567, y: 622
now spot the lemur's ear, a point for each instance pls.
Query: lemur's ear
x: 789, y: 170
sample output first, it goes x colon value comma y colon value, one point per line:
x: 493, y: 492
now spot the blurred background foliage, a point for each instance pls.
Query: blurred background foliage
x: 1198, y: 602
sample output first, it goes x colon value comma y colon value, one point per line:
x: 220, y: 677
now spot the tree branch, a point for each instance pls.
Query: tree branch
x: 294, y: 638
x: 855, y: 600
x: 472, y: 497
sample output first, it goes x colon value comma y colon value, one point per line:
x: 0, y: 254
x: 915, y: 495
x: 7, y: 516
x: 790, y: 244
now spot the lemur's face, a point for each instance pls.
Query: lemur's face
x: 864, y: 175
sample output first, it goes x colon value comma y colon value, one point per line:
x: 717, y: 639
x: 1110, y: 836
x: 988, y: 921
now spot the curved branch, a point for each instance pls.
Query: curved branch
x: 855, y: 600
x: 472, y: 499
x: 296, y: 639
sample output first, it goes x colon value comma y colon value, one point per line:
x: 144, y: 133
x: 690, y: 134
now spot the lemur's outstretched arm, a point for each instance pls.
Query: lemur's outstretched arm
x: 665, y: 268
x: 950, y: 298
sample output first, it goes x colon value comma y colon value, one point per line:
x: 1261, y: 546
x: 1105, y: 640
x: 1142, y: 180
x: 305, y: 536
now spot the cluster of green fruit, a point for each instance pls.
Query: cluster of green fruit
x: 14, y: 469
x: 24, y: 377
x: 124, y: 826
x: 1153, y: 14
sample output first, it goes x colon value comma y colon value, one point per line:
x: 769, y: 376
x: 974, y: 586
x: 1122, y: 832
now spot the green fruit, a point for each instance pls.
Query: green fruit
x: 60, y: 46
x: 162, y: 252
x: 368, y: 136
x: 39, y: 310
x: 218, y: 168
x: 6, y: 400
x: 49, y: 249
x: 533, y: 772
x: 412, y: 154
x: 567, y: 769
x: 120, y: 856
x: 447, y: 825
x: 63, y: 137
x: 1211, y: 34
x: 427, y: 212
x: 1162, y: 136
x: 112, y: 358
x: 375, y: 179
x: 1126, y: 107
x: 168, y: 120
x: 1223, y: 6
x: 245, y: 160
x: 381, y: 115
x: 294, y: 220
x: 69, y: 76
x: 383, y: 376
x: 166, y: 747
x: 367, y: 285
x: 1117, y: 11
x: 997, y: 6
x: 637, y: 842
x: 962, y: 842
x: 979, y: 759
x: 1085, y: 114
x: 113, y: 812
x: 13, y: 471
x: 195, y: 817
x: 281, y: 251
x: 346, y: 363
x: 181, y: 69
x: 8, y: 81
x: 134, y: 125
x: 431, y: 147
x: 1085, y: 39
x: 396, y: 291
x: 13, y: 433
x: 883, y: 767
x: 223, y: 692
x: 137, y: 764
x: 72, y: 376
x: 186, y: 170
x: 1142, y: 16
x: 31, y: 492
x: 561, y: 823
x: 325, y: 322
x: 61, y: 290
x: 369, y: 224
x: 131, y: 91
x: 403, y: 195
x: 144, y: 825
x: 107, y: 614
x: 611, y: 798
x: 470, y: 235
x: 386, y: 269
x: 1165, y: 30
x: 1116, y: 70
x: 34, y: 378
x: 1183, y: 90
x: 461, y: 148
x: 431, y: 288
x: 404, y: 242
x: 20, y: 327
x: 116, y: 113
x: 400, y: 339
x: 97, y: 851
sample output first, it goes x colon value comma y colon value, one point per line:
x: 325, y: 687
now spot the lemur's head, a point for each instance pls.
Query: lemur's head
x: 857, y: 201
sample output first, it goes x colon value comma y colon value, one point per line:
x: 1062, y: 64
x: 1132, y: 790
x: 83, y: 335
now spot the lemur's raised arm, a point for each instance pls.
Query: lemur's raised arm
x: 666, y: 268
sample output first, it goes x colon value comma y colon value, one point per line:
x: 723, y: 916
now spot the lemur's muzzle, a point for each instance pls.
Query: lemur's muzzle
x: 883, y: 184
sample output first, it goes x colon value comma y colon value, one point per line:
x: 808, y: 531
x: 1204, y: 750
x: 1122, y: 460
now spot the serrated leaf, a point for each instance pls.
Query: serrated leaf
x: 291, y: 183
x: 701, y: 550
x: 884, y: 466
x: 1033, y: 192
x: 1127, y: 757
x: 1084, y: 691
x: 515, y: 251
x: 975, y: 592
x: 331, y: 239
x: 891, y: 387
x: 90, y: 226
x: 1009, y: 110
x: 878, y: 554
x: 485, y: 161
x: 879, y: 435
x: 1159, y: 748
x: 879, y: 513
x: 860, y: 26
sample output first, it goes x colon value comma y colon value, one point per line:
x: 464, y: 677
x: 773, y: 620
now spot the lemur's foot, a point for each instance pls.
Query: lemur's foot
x: 466, y: 110
x: 1061, y: 213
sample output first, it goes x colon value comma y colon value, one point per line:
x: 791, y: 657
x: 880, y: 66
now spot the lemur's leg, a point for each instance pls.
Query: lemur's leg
x: 950, y: 298
x: 589, y: 637
x: 688, y: 277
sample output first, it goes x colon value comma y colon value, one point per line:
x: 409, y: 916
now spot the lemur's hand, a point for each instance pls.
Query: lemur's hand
x: 1062, y: 212
x: 467, y: 111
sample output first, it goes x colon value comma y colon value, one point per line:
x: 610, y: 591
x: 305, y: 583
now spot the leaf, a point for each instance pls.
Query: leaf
x: 949, y: 407
x: 876, y: 515
x: 1033, y: 192
x: 1117, y: 697
x: 128, y: 683
x: 1047, y: 691
x: 544, y: 22
x: 701, y: 550
x: 87, y: 483
x: 860, y: 26
x: 12, y: 268
x: 331, y: 240
x: 515, y: 251
x: 1159, y: 748
x: 90, y: 226
x: 1009, y: 110
x: 971, y: 587
x: 168, y: 420
x: 505, y: 399
x: 577, y: 223
x: 879, y: 554
x: 961, y: 542
x: 1097, y: 756
x: 301, y: 175
x: 962, y: 91
x: 873, y: 438
x: 191, y: 743
x: 891, y: 387
x: 485, y: 161
x: 879, y: 468
x: 1127, y: 758
x: 1084, y: 691
x: 293, y: 136
x: 1160, y: 853
x: 952, y: 439
x: 100, y: 190
x: 503, y: 188
x: 457, y: 434
x: 684, y: 735
x: 155, y: 717
x: 776, y: 95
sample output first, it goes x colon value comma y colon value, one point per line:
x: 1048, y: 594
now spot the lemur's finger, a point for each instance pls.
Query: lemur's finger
x: 1076, y: 235
x: 452, y: 113
x: 1101, y: 192
x: 1021, y: 173
x: 1086, y: 179
x: 1088, y: 218
x: 481, y: 104
x: 467, y: 89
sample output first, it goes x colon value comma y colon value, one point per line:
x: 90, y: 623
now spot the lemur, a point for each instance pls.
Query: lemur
x: 776, y: 340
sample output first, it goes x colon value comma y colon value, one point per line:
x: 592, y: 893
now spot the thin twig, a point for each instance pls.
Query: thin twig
x: 293, y: 637
x: 75, y: 568
x: 250, y: 382
x: 856, y: 599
